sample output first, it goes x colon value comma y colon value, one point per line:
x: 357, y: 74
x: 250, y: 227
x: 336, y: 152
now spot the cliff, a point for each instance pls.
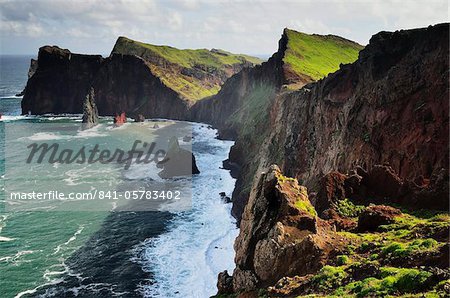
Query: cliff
x: 60, y: 81
x: 301, y: 58
x: 241, y: 109
x: 137, y: 78
x: 193, y: 74
x: 125, y: 83
x: 389, y: 106
x: 369, y: 136
x: 286, y: 249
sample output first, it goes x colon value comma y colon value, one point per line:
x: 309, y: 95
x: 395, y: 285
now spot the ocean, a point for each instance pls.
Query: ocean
x: 160, y: 253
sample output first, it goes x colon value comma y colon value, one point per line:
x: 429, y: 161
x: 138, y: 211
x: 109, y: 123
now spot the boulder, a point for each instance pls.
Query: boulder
x: 280, y: 234
x: 331, y: 190
x: 90, y: 112
x: 375, y: 216
x: 383, y: 181
x: 224, y: 283
x: 177, y: 162
x: 224, y: 197
x: 120, y: 119
x: 139, y: 118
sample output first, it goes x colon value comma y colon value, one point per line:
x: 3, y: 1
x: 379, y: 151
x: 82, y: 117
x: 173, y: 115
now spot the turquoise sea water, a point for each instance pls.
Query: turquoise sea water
x: 102, y: 254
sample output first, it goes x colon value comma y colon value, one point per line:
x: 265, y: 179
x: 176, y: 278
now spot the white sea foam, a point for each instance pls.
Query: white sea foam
x: 81, y: 134
x: 72, y: 238
x: 6, y: 239
x: 45, y: 136
x: 185, y: 261
x: 143, y: 171
x: 32, y: 291
x: 16, y: 258
x: 8, y: 118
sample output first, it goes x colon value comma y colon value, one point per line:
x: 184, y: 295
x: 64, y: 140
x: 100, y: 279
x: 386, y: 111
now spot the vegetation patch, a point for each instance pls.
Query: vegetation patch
x: 329, y: 278
x: 318, y: 55
x: 346, y: 208
x: 188, y: 71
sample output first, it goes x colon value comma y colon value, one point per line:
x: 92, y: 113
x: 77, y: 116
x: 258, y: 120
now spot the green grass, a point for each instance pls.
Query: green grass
x: 166, y: 62
x: 329, y: 277
x: 318, y: 55
x: 366, y: 269
x: 391, y: 281
x: 348, y: 209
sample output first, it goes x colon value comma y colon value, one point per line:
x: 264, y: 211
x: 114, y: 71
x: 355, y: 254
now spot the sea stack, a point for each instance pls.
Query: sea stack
x: 177, y: 162
x: 90, y: 112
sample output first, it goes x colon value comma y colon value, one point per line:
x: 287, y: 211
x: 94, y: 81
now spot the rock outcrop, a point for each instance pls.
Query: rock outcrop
x: 177, y: 161
x: 241, y: 109
x: 125, y: 83
x: 31, y: 71
x: 137, y: 78
x: 193, y: 74
x: 90, y: 112
x: 376, y: 216
x: 388, y: 107
x: 120, y: 119
x: 60, y: 82
x: 280, y: 235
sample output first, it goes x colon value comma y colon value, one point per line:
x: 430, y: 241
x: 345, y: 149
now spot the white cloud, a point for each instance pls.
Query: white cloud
x: 175, y: 20
x: 246, y: 26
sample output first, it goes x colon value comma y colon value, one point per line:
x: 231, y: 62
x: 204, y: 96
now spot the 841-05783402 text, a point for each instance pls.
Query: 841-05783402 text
x: 98, y: 195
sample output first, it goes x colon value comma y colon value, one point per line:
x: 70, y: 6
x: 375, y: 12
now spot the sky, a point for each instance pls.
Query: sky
x: 240, y: 26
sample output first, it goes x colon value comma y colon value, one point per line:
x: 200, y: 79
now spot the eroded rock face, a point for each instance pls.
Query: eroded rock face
x: 126, y: 83
x: 375, y: 216
x: 389, y: 107
x: 332, y: 189
x: 60, y: 82
x: 224, y: 283
x: 280, y: 234
x: 123, y: 83
x: 90, y: 112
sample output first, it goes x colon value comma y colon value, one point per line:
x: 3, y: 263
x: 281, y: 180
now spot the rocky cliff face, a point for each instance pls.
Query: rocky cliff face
x: 241, y: 109
x: 60, y: 82
x: 193, y: 74
x: 287, y: 248
x: 278, y: 226
x: 290, y: 67
x: 125, y: 83
x: 390, y: 106
x: 137, y: 78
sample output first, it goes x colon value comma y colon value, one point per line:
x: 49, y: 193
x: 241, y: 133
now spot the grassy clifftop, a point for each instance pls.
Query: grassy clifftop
x: 315, y: 56
x: 194, y: 74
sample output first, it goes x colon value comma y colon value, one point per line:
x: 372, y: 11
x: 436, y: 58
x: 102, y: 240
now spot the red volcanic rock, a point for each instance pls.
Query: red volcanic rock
x: 432, y: 194
x: 120, y: 119
x: 388, y: 107
x: 280, y: 234
x: 383, y: 181
x: 331, y: 190
x: 375, y: 216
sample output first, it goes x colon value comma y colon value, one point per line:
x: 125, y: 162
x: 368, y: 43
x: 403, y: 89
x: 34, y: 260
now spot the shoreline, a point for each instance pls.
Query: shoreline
x: 107, y: 264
